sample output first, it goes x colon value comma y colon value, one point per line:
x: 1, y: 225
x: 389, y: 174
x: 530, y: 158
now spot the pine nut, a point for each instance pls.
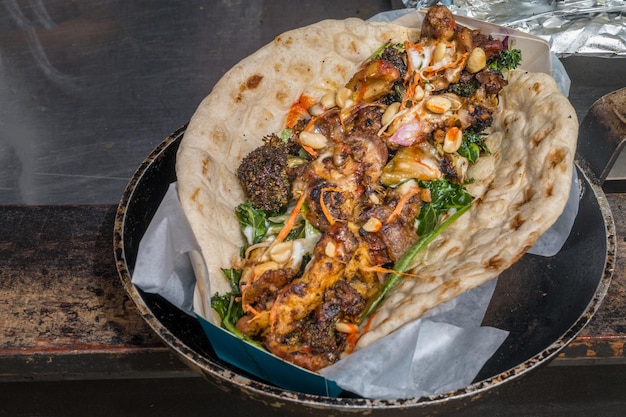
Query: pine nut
x: 438, y: 104
x: 345, y: 327
x: 316, y: 110
x: 452, y: 140
x: 476, y: 61
x: 313, y: 140
x: 343, y: 98
x: 328, y: 100
x: 372, y: 225
x: 418, y: 94
x: 440, y: 52
x: 390, y: 113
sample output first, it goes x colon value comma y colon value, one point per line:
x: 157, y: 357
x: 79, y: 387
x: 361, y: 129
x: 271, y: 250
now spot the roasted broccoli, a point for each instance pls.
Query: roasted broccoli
x: 464, y: 89
x: 264, y: 175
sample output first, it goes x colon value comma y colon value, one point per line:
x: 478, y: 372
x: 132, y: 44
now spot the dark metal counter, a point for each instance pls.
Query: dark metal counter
x: 87, y: 91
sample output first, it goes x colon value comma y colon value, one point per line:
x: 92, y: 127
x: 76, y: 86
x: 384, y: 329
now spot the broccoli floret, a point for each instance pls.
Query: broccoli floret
x: 464, y: 89
x: 264, y: 175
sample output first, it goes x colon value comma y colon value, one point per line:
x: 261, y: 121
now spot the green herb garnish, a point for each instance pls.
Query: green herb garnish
x: 507, y: 59
x: 379, y: 52
x: 285, y: 135
x: 472, y: 145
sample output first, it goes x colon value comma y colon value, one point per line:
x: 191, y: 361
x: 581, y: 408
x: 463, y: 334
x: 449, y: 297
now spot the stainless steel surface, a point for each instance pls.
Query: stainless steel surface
x: 88, y: 89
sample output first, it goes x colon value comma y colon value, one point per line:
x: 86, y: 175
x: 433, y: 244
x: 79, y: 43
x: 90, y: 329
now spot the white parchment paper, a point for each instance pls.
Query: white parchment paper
x: 438, y: 353
x: 442, y: 351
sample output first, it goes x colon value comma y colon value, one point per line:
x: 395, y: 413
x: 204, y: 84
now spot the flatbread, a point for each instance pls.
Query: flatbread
x: 521, y: 188
x: 250, y: 101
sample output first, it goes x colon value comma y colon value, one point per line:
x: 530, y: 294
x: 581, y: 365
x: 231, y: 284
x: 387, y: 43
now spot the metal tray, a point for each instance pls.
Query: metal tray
x: 543, y: 302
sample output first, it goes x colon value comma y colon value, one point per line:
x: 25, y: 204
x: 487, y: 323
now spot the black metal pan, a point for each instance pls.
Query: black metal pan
x: 543, y: 301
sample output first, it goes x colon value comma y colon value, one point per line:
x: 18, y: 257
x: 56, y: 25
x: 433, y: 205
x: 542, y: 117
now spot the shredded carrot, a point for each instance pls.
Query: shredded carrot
x: 327, y: 214
x: 429, y: 71
x: 310, y: 126
x: 249, y: 309
x: 245, y: 305
x: 410, y: 92
x: 274, y: 309
x: 368, y: 325
x: 353, y: 338
x: 411, y: 72
x: 298, y: 110
x: 405, y: 198
x: 258, y: 316
x: 282, y: 235
x: 309, y: 150
x: 410, y: 45
x: 351, y: 341
x: 291, y: 221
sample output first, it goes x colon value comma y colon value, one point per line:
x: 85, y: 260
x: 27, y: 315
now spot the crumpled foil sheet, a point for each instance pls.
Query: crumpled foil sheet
x: 591, y: 28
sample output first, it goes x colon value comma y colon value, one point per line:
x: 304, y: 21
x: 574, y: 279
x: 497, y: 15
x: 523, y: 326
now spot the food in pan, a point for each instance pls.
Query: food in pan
x: 375, y: 171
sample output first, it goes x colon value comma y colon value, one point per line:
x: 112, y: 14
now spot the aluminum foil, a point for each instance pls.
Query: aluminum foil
x: 592, y: 28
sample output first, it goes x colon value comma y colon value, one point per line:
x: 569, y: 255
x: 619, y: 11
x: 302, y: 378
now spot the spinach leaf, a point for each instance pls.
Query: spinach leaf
x: 252, y: 221
x: 228, y: 306
x: 472, y: 145
x: 445, y: 195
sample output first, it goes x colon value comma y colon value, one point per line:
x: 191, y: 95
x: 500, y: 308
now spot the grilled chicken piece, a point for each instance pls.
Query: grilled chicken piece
x: 339, y: 177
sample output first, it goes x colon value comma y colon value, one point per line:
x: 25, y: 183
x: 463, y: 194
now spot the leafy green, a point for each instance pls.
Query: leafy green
x: 506, y: 59
x: 233, y: 276
x: 464, y: 89
x: 253, y: 222
x: 222, y: 304
x: 228, y: 306
x: 445, y: 195
x: 285, y: 135
x: 472, y: 145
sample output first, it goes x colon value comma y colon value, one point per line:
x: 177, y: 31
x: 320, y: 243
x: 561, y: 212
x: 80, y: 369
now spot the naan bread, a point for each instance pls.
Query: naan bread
x: 521, y: 188
x: 251, y: 101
